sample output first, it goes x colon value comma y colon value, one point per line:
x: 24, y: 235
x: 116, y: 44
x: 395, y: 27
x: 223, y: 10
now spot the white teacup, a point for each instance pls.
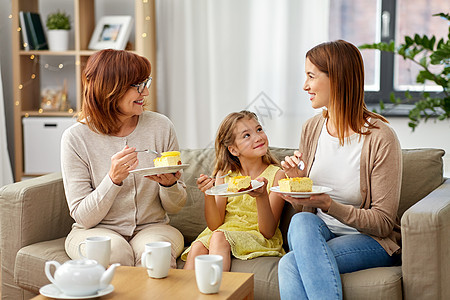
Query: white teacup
x: 156, y: 258
x: 97, y: 248
x: 208, y: 273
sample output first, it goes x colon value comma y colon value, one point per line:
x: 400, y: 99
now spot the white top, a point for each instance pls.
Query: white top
x: 338, y: 167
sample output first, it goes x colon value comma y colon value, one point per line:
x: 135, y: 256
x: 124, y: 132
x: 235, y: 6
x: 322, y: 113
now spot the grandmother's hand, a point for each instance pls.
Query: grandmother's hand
x: 122, y: 163
x: 167, y: 179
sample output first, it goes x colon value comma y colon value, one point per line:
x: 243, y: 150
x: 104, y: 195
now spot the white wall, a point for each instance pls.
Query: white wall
x: 430, y: 134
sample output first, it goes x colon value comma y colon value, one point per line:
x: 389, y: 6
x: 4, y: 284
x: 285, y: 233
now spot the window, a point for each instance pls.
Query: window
x: 373, y: 21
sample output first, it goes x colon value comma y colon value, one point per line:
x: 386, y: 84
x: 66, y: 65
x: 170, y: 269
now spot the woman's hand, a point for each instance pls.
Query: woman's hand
x: 167, y: 179
x: 290, y: 165
x: 204, y: 182
x: 122, y: 163
x: 261, y: 191
x: 322, y: 201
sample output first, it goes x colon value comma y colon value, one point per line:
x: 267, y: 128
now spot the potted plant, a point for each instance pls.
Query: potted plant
x: 424, y: 51
x: 58, y: 27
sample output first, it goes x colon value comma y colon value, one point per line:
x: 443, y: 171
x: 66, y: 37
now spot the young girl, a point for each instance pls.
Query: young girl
x: 244, y: 225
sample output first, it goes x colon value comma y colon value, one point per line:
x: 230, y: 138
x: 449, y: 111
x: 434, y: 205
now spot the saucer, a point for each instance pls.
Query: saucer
x: 51, y: 291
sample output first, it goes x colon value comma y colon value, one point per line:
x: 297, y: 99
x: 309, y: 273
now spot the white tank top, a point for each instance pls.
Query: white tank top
x: 337, y: 167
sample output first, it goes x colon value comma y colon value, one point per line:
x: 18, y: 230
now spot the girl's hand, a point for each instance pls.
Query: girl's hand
x: 261, y: 191
x: 167, y: 179
x: 290, y: 165
x: 322, y: 201
x: 204, y: 182
x: 122, y: 163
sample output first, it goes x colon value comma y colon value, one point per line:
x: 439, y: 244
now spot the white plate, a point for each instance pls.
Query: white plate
x: 159, y: 170
x: 316, y: 189
x: 221, y: 190
x: 51, y: 291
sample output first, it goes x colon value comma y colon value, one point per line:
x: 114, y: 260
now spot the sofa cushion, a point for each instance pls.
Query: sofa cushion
x: 375, y: 283
x: 422, y: 173
x: 30, y: 261
x: 190, y: 220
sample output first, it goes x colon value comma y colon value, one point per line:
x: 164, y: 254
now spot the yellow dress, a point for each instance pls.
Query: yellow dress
x: 241, y: 227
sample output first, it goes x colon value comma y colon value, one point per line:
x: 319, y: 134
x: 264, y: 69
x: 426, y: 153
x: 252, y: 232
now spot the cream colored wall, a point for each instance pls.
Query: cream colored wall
x: 430, y: 134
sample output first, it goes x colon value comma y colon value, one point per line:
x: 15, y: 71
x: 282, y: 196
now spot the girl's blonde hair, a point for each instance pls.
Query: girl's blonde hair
x: 344, y: 66
x: 225, y: 137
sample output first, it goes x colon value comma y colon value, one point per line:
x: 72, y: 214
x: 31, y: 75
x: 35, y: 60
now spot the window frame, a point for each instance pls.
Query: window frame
x: 387, y: 71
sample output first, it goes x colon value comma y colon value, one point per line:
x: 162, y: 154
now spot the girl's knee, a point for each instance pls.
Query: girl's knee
x: 218, y: 239
x: 198, y: 248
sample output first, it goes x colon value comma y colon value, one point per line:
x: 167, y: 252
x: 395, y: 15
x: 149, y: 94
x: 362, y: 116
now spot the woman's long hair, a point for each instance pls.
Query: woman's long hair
x: 343, y: 64
x: 106, y: 78
x: 225, y: 137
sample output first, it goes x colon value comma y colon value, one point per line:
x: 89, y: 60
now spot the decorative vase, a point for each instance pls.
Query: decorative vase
x: 58, y: 39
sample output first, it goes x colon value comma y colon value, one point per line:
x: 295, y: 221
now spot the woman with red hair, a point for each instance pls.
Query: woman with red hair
x: 356, y: 153
x: 98, y: 153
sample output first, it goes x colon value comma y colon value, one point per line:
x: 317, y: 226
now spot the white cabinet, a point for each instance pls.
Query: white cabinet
x: 42, y: 143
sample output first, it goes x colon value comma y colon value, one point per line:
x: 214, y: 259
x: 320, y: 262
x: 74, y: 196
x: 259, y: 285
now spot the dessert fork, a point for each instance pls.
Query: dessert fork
x: 148, y: 151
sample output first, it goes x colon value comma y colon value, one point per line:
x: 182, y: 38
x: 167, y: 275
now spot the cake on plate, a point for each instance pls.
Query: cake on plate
x: 170, y: 158
x: 239, y: 184
x: 296, y: 184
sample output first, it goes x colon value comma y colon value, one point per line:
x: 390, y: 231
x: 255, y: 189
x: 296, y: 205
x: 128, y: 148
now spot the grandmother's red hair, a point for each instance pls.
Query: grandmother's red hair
x: 106, y: 78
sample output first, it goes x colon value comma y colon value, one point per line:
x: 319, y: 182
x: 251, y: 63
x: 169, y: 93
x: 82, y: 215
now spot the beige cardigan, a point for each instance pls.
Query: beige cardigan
x: 95, y: 201
x: 380, y: 176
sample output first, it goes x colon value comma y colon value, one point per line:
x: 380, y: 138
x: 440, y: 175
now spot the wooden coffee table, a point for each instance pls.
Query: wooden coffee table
x: 134, y: 283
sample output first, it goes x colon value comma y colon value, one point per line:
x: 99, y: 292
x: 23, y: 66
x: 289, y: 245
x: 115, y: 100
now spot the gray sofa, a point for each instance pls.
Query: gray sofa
x: 34, y: 222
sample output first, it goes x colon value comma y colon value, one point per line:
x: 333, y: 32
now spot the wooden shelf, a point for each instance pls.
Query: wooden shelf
x: 27, y: 70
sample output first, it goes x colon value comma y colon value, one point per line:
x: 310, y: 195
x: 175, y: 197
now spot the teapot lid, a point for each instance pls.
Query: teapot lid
x: 82, y: 263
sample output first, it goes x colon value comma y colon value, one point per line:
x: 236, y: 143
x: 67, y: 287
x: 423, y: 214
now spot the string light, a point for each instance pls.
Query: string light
x: 37, y: 62
x: 10, y: 16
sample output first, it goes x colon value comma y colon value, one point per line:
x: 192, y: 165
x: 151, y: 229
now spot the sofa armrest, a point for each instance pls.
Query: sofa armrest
x: 425, y: 246
x: 31, y: 211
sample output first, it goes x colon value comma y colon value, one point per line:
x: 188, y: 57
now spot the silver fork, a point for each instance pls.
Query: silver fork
x: 148, y: 151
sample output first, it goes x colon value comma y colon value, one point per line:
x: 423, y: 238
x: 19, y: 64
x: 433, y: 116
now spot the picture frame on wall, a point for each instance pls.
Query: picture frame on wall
x: 111, y: 32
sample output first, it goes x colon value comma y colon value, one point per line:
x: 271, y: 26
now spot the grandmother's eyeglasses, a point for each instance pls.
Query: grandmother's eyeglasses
x: 145, y: 84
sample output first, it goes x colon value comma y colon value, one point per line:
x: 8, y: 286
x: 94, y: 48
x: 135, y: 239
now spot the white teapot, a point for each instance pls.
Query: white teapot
x: 81, y: 277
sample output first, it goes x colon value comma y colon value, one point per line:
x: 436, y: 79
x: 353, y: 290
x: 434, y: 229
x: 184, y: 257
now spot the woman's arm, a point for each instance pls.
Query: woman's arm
x: 88, y: 203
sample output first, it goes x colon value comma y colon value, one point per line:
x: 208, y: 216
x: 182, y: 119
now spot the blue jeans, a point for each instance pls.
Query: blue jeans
x: 317, y: 256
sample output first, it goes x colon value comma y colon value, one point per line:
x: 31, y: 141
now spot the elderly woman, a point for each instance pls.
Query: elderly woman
x: 98, y: 153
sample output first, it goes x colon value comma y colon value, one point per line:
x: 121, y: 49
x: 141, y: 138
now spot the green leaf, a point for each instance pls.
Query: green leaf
x: 417, y: 39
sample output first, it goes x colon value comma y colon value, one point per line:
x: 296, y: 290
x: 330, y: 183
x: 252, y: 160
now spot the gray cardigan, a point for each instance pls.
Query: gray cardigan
x: 380, y: 177
x: 95, y: 201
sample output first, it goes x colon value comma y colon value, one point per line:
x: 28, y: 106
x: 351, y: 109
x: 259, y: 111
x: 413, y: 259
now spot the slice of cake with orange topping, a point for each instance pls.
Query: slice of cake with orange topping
x: 296, y: 184
x: 239, y: 183
x: 170, y: 158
